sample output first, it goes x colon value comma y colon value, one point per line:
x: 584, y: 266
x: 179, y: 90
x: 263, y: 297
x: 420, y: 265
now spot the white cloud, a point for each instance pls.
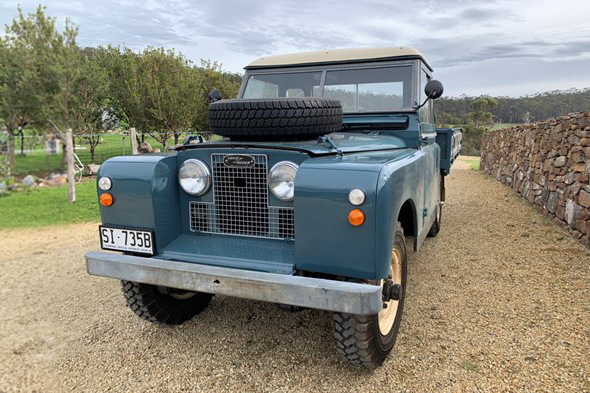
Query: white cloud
x: 497, y: 47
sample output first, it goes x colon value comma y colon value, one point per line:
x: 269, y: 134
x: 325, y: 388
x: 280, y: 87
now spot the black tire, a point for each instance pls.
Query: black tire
x: 436, y: 225
x: 435, y: 228
x: 277, y: 118
x: 163, y: 305
x: 358, y: 337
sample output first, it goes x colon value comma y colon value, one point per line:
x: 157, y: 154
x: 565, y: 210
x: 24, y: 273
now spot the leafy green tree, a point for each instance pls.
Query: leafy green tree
x: 481, y: 114
x: 93, y: 110
x: 527, y: 117
x: 446, y: 118
x: 63, y: 104
x: 168, y: 92
x: 156, y: 91
x: 211, y: 76
x: 125, y: 75
x: 28, y: 77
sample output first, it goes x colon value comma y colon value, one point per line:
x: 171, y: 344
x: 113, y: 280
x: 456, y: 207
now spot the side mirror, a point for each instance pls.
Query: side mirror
x: 215, y: 95
x: 433, y: 89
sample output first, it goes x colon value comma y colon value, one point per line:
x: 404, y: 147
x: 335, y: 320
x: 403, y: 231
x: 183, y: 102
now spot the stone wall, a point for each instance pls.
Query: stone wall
x: 548, y: 163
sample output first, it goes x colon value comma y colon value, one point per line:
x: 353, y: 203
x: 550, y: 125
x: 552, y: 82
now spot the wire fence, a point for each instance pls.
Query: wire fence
x: 39, y: 154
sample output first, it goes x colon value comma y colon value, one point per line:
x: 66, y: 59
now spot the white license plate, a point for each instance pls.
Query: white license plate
x: 130, y: 240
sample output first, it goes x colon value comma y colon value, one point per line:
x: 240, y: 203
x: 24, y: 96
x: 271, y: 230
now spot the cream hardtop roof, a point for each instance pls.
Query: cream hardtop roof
x: 335, y: 56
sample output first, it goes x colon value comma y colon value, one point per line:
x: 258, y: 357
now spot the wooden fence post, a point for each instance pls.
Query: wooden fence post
x: 70, y: 158
x: 133, y: 136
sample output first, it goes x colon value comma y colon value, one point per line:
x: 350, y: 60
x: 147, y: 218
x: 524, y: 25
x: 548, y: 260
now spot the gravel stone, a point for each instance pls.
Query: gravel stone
x: 487, y: 310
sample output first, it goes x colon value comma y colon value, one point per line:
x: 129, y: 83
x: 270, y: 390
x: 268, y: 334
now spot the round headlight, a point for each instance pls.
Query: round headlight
x: 281, y: 180
x: 356, y: 197
x: 194, y: 177
x: 104, y: 183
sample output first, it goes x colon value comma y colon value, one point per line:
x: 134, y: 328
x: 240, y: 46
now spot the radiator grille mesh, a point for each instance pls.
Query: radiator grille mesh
x: 241, y: 204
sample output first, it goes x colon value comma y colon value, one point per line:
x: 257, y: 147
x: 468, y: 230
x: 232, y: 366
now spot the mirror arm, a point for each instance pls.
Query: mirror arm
x: 416, y: 107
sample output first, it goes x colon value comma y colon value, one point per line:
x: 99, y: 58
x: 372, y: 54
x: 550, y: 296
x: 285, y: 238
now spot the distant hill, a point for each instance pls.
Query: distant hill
x: 541, y: 106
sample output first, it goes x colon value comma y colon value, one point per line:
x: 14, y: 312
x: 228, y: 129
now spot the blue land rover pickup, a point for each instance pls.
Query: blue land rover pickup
x: 330, y: 168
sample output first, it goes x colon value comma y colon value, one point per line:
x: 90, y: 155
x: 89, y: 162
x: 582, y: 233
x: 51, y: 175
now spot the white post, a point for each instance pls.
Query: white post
x: 133, y: 136
x: 70, y: 158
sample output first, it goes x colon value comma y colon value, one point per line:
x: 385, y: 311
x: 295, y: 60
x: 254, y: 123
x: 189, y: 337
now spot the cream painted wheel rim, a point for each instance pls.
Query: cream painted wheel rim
x: 387, y: 315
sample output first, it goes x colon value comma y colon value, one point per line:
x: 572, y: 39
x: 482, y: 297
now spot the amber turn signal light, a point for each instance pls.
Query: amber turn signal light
x: 106, y: 199
x: 356, y: 217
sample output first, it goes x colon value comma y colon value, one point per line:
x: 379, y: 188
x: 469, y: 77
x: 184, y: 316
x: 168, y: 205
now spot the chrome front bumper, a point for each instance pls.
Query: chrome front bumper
x: 339, y: 296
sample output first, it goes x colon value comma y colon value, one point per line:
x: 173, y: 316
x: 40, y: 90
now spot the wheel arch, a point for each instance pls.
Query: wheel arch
x: 407, y: 217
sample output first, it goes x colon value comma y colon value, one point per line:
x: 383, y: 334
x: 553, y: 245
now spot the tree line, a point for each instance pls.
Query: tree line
x: 478, y: 114
x: 48, y: 83
x: 536, y: 107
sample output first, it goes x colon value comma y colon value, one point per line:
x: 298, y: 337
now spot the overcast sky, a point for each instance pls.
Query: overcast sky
x: 475, y: 47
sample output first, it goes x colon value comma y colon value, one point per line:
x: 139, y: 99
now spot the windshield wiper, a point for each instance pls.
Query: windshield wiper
x: 329, y: 142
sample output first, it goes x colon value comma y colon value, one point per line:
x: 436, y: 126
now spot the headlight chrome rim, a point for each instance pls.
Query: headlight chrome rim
x: 183, y: 183
x: 290, y: 193
x: 356, y: 197
x: 105, y: 183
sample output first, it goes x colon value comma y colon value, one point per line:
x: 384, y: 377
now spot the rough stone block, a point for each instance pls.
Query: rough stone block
x: 560, y: 161
x: 552, y: 202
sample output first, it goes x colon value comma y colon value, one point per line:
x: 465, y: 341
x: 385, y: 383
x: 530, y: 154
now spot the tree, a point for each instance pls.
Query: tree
x: 93, y: 110
x: 211, y: 76
x: 28, y: 77
x: 157, y: 91
x: 125, y: 76
x: 168, y: 93
x: 446, y: 118
x: 66, y: 62
x: 481, y: 114
x: 527, y: 117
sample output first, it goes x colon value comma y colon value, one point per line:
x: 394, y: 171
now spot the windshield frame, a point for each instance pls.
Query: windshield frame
x: 325, y: 68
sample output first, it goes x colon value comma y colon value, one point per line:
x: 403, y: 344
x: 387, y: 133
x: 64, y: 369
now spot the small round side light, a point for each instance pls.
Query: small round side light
x: 356, y: 197
x: 106, y: 199
x: 356, y: 217
x: 105, y: 183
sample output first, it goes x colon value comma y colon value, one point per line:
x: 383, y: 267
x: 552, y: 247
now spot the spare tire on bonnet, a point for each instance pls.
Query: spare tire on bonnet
x: 275, y: 118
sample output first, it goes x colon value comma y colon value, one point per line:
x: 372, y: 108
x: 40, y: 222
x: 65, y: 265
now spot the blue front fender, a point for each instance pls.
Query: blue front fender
x: 325, y: 240
x: 145, y: 195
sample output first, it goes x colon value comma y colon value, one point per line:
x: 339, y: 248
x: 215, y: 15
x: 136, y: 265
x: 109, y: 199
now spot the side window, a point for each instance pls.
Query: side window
x: 426, y: 112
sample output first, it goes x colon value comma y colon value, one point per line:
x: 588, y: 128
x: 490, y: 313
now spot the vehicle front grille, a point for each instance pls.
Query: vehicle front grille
x: 240, y: 204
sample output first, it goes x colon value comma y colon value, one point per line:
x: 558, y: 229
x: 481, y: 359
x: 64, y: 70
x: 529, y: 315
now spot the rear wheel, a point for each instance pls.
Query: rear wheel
x: 163, y: 305
x: 435, y: 228
x: 366, y: 340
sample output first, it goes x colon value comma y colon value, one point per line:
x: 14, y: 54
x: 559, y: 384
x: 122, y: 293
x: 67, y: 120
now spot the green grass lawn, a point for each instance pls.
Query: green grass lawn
x: 499, y: 126
x: 49, y: 206
x: 111, y: 145
x: 472, y: 161
x: 36, y: 162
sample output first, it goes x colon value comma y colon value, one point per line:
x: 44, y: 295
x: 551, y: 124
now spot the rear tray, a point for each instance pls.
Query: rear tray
x: 450, y: 141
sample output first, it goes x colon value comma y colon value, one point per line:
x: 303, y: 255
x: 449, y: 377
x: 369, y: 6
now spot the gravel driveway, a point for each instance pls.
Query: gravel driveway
x: 500, y: 300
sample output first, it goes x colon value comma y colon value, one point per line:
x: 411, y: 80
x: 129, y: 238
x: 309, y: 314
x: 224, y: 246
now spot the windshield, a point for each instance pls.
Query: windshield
x: 298, y: 84
x: 359, y: 90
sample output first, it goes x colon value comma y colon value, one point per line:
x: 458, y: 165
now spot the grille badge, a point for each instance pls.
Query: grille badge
x: 238, y: 161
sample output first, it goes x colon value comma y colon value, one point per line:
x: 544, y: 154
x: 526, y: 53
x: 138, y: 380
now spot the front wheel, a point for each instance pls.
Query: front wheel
x: 163, y: 305
x: 366, y: 340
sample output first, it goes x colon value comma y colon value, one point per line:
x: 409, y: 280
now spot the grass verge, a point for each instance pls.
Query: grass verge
x: 49, y: 206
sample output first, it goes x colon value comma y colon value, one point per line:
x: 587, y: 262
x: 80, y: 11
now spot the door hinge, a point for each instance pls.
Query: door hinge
x: 425, y: 212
